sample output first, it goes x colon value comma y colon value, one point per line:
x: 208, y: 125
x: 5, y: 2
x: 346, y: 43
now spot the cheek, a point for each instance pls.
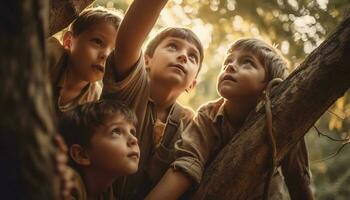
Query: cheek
x: 107, y: 151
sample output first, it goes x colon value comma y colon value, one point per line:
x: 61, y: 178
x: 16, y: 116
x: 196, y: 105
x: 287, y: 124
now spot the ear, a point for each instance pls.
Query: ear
x: 192, y: 85
x: 67, y: 40
x: 79, y: 155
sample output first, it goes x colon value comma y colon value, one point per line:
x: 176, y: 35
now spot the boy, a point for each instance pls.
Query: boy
x: 151, y: 84
x: 249, y: 66
x: 102, y: 145
x: 77, y: 67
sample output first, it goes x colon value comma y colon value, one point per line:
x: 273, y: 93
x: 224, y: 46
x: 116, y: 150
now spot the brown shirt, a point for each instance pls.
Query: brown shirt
x: 156, y: 156
x: 209, y: 132
x: 79, y: 191
x: 58, y: 58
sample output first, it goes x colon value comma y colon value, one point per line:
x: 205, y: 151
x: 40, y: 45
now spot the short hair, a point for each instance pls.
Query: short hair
x: 276, y: 66
x: 77, y: 126
x: 92, y: 16
x: 177, y: 32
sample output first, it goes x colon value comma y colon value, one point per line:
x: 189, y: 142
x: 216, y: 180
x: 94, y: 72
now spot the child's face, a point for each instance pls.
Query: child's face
x: 89, y: 50
x: 114, y: 149
x: 241, y: 77
x: 175, y: 61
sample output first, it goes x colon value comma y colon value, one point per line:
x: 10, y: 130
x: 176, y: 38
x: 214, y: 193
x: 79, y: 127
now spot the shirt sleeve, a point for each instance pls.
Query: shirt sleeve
x: 295, y: 169
x: 195, y: 147
x: 132, y: 89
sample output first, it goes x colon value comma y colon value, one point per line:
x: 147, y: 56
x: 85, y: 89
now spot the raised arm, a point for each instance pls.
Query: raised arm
x: 137, y: 23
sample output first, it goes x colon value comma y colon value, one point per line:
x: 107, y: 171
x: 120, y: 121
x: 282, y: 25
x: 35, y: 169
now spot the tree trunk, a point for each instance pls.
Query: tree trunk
x: 26, y: 125
x: 62, y: 13
x: 297, y: 103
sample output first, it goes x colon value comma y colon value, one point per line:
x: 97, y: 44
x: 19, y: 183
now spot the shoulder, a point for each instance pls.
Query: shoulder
x: 183, y: 113
x: 210, y: 109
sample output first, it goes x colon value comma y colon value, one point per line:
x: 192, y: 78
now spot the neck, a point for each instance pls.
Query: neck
x: 73, y: 83
x: 237, y: 111
x: 96, y: 183
x: 163, y: 98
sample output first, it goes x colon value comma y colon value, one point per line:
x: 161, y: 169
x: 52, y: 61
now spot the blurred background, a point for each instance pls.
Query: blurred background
x: 295, y: 27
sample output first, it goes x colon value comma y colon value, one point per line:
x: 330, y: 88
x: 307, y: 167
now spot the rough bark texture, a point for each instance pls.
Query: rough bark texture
x: 27, y: 127
x: 62, y: 13
x: 297, y: 103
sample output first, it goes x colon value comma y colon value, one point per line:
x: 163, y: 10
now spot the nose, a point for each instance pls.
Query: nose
x: 182, y: 57
x: 132, y: 140
x: 232, y: 67
x: 103, y: 54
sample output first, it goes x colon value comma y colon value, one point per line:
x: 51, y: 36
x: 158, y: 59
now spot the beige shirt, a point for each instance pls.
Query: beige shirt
x: 156, y: 156
x: 210, y: 131
x: 58, y: 58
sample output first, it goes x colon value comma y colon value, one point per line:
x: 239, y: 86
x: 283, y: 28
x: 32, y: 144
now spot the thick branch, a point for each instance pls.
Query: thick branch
x: 241, y: 166
x: 62, y: 13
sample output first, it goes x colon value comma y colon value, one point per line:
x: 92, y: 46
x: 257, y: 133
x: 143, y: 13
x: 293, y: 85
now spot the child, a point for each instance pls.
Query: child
x: 151, y: 84
x: 77, y: 67
x: 102, y: 145
x: 249, y: 66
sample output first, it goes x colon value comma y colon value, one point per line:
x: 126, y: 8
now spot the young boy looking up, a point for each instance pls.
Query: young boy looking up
x: 150, y: 83
x: 77, y: 67
x: 248, y: 67
x: 102, y: 145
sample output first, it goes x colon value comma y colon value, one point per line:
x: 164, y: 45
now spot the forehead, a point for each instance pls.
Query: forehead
x: 242, y: 53
x: 180, y: 41
x: 118, y: 119
x: 103, y: 28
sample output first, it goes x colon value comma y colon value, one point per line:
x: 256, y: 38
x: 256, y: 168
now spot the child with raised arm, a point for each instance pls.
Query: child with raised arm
x: 77, y: 66
x: 102, y: 146
x: 150, y: 83
x: 250, y: 64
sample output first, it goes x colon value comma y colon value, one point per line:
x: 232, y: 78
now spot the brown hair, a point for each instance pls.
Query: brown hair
x: 77, y: 126
x: 177, y: 32
x: 276, y: 66
x: 92, y: 16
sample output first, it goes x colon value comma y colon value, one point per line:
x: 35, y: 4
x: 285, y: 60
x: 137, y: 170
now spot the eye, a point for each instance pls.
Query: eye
x: 193, y: 57
x: 248, y: 62
x: 97, y: 41
x: 172, y: 46
x: 116, y: 131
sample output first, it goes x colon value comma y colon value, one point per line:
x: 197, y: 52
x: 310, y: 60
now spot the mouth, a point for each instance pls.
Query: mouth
x: 181, y: 67
x: 99, y: 68
x: 134, y: 155
x: 228, y: 77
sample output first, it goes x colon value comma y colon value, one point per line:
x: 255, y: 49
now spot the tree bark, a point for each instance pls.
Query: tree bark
x: 27, y: 168
x: 62, y: 13
x: 242, y: 165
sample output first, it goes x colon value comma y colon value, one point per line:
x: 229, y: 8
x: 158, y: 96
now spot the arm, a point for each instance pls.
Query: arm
x: 171, y: 186
x: 197, y: 144
x: 295, y: 169
x: 137, y: 23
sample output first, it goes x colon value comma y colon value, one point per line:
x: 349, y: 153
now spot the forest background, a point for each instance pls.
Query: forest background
x: 295, y: 27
